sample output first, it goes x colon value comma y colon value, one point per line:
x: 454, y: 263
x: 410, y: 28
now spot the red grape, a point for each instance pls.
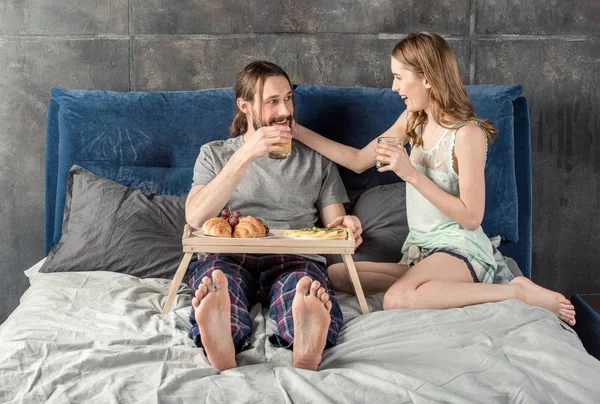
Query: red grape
x: 225, y: 213
x: 266, y: 228
x: 237, y: 213
x: 233, y: 221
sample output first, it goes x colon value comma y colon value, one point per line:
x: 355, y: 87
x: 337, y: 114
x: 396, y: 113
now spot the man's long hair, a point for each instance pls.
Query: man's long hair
x: 251, y: 81
x: 426, y: 53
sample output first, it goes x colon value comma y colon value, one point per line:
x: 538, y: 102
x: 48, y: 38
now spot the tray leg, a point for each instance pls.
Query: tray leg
x: 349, y: 262
x: 174, y: 287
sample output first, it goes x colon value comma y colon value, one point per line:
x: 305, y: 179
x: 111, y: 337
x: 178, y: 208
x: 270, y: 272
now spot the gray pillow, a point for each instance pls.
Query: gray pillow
x: 382, y: 212
x: 111, y: 227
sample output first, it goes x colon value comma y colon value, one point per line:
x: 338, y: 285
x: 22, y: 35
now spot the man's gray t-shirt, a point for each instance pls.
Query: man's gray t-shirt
x: 286, y: 193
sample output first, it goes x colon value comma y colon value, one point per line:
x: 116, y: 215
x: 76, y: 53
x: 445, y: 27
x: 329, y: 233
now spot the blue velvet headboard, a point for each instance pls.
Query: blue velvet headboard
x: 151, y: 141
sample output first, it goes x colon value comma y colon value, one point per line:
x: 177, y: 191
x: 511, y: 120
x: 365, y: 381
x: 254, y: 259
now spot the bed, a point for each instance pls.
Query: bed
x: 118, y: 166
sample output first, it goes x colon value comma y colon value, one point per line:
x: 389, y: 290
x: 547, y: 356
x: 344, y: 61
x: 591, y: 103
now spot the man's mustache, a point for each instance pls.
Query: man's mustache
x: 279, y: 118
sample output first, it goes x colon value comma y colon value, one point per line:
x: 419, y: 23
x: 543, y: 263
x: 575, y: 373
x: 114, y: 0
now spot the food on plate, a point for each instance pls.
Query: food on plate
x: 232, y: 218
x: 266, y: 227
x: 317, y: 232
x: 234, y: 225
x: 249, y: 227
x: 217, y: 227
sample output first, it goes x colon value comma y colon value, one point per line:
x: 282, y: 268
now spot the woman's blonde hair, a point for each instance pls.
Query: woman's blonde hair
x: 426, y: 53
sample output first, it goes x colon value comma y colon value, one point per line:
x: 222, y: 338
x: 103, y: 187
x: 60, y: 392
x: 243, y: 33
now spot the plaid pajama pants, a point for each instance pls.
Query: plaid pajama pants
x: 263, y: 278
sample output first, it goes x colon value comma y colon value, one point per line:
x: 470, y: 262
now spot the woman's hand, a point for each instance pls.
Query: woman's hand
x: 398, y: 161
x: 297, y: 130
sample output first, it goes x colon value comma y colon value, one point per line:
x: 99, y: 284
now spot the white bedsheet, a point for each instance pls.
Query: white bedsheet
x: 99, y: 337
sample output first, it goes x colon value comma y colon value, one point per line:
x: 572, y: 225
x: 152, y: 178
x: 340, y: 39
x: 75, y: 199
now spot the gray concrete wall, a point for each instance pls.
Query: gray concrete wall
x: 552, y: 48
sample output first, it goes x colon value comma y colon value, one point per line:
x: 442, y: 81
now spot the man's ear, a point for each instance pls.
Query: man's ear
x: 244, y: 106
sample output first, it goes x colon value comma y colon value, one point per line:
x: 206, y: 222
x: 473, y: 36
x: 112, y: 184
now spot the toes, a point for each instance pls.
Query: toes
x: 568, y: 318
x: 199, y: 295
x: 320, y: 292
x: 206, y: 282
x: 315, y: 287
x: 324, y: 297
x: 220, y: 280
x: 328, y: 305
x: 567, y: 313
x: 201, y: 291
x: 303, y: 286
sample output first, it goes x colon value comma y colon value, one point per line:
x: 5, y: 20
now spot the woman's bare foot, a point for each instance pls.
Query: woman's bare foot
x: 213, y: 315
x: 311, y: 323
x: 533, y: 294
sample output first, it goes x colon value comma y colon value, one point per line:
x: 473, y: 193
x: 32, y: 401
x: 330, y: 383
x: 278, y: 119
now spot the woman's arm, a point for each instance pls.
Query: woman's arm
x: 467, y: 210
x: 347, y: 156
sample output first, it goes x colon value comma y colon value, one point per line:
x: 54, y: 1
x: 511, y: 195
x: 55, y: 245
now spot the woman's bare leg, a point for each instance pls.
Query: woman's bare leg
x: 375, y: 277
x: 442, y: 281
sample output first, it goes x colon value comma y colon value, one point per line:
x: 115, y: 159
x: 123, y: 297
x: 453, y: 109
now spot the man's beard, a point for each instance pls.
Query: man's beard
x: 258, y: 125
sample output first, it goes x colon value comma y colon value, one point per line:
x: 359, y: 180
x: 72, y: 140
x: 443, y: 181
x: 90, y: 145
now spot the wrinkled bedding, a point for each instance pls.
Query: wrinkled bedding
x: 99, y: 337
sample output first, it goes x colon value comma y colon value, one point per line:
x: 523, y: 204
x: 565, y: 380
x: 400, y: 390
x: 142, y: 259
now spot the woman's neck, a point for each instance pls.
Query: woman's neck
x: 431, y: 122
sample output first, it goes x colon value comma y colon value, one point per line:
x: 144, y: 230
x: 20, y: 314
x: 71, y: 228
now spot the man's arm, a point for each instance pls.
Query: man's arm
x: 335, y: 215
x: 206, y: 201
x: 331, y: 212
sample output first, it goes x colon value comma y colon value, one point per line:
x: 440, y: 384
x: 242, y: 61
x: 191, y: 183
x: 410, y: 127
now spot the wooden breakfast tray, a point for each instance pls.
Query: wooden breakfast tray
x: 277, y: 243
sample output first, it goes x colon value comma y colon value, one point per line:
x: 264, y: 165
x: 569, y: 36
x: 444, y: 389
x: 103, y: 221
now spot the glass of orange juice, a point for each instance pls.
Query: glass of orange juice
x: 387, y: 140
x: 282, y: 154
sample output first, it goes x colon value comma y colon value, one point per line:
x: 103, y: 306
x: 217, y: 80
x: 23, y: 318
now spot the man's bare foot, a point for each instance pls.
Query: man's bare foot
x: 533, y: 294
x: 311, y: 323
x: 213, y: 315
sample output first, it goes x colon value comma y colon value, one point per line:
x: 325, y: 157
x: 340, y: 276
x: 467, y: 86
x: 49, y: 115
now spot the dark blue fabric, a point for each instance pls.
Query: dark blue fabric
x: 587, y: 326
x: 105, y: 131
x: 151, y: 141
x: 521, y: 250
x: 51, y: 176
x: 174, y: 181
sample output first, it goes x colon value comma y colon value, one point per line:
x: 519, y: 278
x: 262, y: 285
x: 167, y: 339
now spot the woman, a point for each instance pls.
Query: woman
x: 448, y: 260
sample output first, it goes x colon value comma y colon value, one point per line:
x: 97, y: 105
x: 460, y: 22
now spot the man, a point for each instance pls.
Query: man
x: 284, y: 193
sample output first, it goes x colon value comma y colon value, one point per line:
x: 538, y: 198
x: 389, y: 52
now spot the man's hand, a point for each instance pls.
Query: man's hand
x: 264, y: 139
x: 352, y: 223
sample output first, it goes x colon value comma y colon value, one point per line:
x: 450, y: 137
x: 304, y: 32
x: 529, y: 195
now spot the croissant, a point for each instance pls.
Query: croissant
x: 217, y: 226
x: 249, y: 227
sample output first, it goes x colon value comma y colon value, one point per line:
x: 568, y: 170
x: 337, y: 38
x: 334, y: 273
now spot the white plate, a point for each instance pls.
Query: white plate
x: 199, y: 234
